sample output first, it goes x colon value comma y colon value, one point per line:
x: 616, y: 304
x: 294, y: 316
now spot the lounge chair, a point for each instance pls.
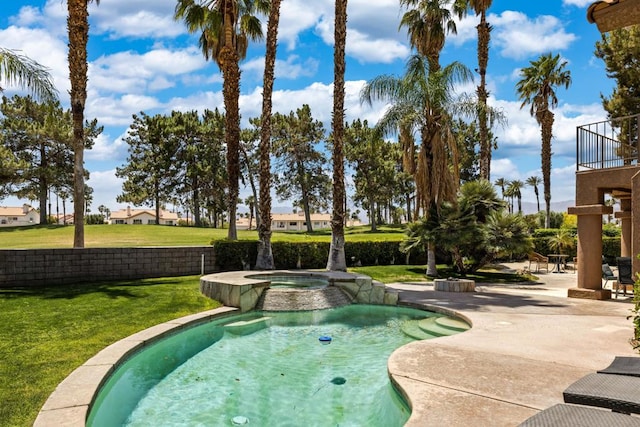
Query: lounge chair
x: 620, y: 393
x: 624, y: 274
x: 539, y: 260
x: 623, y: 366
x: 562, y: 415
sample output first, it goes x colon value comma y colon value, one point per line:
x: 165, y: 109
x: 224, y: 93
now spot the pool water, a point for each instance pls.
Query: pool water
x: 265, y: 369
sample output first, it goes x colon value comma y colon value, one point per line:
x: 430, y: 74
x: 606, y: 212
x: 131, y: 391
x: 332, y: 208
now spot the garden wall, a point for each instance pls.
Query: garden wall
x: 39, y: 267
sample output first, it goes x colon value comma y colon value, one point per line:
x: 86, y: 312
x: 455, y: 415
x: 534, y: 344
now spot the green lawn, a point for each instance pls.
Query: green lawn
x: 47, y: 332
x: 417, y: 273
x: 59, y: 236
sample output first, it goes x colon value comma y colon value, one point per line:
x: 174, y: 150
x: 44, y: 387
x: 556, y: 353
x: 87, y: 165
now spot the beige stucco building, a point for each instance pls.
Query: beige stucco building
x: 143, y: 216
x: 608, y: 162
x: 18, y: 216
x: 294, y: 222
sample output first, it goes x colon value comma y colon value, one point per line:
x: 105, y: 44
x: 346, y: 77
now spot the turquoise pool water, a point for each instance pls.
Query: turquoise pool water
x: 266, y: 369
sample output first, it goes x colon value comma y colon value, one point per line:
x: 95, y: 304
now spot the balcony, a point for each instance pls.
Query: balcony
x: 608, y: 144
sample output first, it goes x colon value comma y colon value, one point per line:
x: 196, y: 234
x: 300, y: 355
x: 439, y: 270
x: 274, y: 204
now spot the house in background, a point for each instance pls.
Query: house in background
x: 294, y: 222
x: 18, y: 216
x: 143, y: 216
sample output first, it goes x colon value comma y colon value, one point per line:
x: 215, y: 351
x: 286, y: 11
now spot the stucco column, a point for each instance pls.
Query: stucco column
x: 635, y: 224
x: 625, y: 226
x: 590, y: 252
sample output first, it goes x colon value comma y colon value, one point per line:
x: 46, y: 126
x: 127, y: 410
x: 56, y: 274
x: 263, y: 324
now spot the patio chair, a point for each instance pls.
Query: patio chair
x: 623, y: 366
x: 624, y: 273
x: 608, y: 275
x: 620, y: 393
x: 539, y: 260
x: 562, y: 415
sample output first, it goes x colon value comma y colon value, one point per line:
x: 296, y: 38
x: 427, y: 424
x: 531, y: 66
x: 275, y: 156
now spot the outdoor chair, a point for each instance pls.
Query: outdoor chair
x: 624, y: 274
x: 539, y: 260
x: 622, y: 365
x: 563, y: 415
x: 608, y: 275
x: 620, y: 393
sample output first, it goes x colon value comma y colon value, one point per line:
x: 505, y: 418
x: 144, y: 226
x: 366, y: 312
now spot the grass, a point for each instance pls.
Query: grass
x: 47, y: 332
x: 60, y: 236
x: 416, y: 273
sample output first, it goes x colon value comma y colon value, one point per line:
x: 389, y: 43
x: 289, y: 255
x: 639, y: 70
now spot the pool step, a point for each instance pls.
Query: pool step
x: 453, y: 323
x: 246, y: 327
x: 413, y: 330
x: 440, y: 329
x: 433, y: 327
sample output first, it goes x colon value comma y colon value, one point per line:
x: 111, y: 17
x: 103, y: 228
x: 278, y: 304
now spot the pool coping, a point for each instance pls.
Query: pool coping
x: 70, y: 402
x: 526, y: 345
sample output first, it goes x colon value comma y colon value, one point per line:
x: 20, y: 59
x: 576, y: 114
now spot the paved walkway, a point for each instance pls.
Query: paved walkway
x: 528, y: 343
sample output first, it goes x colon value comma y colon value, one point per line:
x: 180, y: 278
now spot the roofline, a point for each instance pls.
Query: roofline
x: 609, y: 15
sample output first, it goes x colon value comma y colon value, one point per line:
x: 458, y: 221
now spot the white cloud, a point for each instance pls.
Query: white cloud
x: 518, y: 36
x: 42, y: 47
x: 577, y: 3
x: 106, y: 187
x: 292, y: 68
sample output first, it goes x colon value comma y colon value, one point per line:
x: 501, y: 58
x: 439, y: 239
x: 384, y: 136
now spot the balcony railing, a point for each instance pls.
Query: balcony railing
x: 609, y: 144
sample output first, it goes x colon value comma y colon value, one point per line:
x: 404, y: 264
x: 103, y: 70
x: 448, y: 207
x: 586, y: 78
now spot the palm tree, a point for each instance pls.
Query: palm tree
x: 22, y: 71
x: 534, y: 181
x: 226, y: 27
x: 421, y: 99
x: 484, y: 34
x: 502, y: 183
x: 264, y: 260
x: 515, y: 188
x: 337, y: 261
x: 428, y: 24
x: 537, y: 88
x: 78, y: 29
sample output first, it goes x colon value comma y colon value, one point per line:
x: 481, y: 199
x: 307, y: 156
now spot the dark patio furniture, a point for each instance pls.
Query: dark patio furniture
x: 608, y: 275
x: 623, y: 366
x: 620, y: 393
x: 562, y: 415
x: 624, y: 273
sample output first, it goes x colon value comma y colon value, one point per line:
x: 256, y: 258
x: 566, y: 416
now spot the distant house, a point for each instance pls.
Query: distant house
x: 294, y: 222
x: 12, y: 217
x: 143, y: 216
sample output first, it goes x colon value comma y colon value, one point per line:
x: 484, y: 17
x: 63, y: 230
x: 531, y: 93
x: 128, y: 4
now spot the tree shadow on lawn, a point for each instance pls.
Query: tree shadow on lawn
x: 111, y: 289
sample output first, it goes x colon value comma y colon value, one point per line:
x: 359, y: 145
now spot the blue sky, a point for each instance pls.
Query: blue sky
x: 142, y: 60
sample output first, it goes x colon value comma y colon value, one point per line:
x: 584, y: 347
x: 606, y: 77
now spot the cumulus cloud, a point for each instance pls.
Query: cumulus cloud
x: 291, y: 68
x: 517, y: 36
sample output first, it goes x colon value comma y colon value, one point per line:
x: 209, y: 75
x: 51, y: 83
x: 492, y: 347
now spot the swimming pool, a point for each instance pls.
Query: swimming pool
x: 266, y: 369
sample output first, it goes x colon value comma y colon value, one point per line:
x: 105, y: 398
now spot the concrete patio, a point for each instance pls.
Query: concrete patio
x: 527, y: 344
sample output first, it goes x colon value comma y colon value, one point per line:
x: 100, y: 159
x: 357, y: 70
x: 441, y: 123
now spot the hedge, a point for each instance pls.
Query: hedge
x: 239, y: 255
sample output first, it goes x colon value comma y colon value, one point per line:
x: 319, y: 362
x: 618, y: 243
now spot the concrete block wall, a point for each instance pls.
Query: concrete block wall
x: 39, y: 267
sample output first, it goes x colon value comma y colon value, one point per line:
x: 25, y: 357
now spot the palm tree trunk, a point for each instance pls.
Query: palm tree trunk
x: 231, y: 94
x: 547, y: 127
x: 432, y: 270
x: 337, y: 259
x: 484, y: 30
x: 78, y: 28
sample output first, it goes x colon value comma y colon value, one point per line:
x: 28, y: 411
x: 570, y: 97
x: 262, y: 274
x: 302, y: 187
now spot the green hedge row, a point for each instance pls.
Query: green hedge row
x: 238, y: 255
x: 610, y: 248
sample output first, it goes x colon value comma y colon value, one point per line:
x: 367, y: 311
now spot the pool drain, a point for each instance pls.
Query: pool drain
x: 240, y: 420
x: 325, y: 339
x: 338, y: 381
